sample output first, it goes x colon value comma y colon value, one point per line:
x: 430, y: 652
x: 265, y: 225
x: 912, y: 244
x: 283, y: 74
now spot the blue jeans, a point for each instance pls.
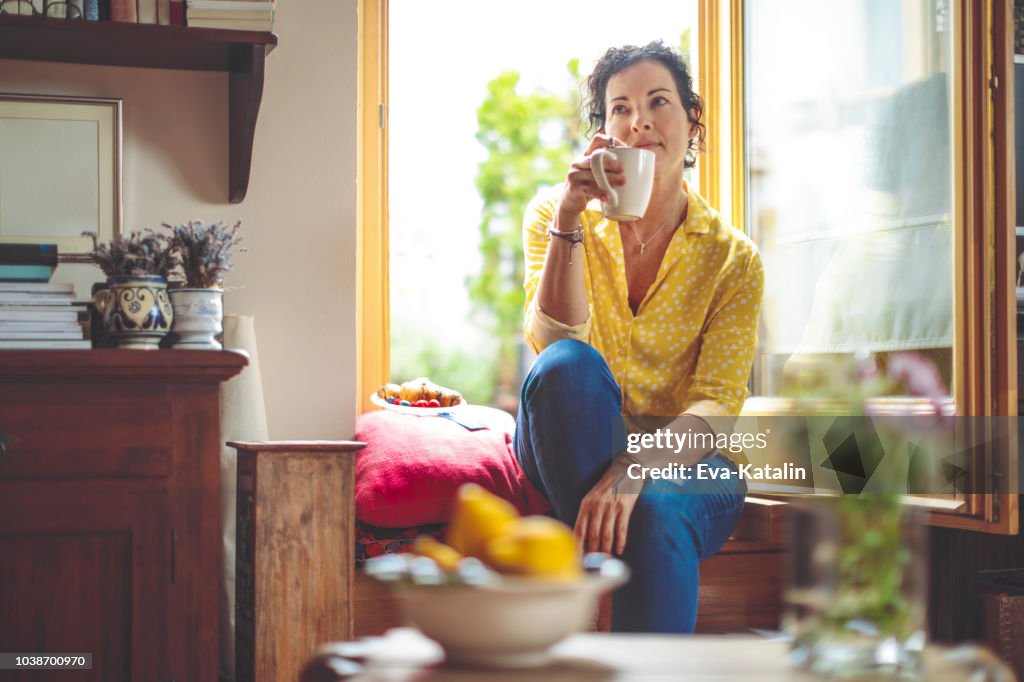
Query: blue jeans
x: 565, y: 442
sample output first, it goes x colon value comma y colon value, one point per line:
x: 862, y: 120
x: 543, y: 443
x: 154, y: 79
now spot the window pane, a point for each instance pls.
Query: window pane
x: 483, y: 114
x: 849, y: 178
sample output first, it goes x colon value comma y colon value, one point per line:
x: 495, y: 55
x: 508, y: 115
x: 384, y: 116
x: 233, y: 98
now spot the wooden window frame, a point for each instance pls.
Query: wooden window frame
x: 373, y: 321
x: 985, y: 361
x: 984, y: 346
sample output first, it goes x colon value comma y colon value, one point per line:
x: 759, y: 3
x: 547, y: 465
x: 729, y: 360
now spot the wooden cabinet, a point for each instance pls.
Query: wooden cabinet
x: 109, y: 510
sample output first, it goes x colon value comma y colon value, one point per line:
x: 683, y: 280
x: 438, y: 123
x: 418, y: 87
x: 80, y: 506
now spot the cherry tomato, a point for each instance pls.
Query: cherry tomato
x: 433, y: 403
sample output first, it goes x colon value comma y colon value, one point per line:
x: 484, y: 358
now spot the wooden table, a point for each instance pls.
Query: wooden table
x: 404, y: 655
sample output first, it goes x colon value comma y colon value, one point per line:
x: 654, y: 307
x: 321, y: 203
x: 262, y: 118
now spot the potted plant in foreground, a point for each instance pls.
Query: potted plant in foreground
x: 134, y: 307
x: 203, y: 255
x: 858, y: 555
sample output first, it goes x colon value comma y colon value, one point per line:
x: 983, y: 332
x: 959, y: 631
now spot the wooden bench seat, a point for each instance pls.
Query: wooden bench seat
x: 740, y: 587
x: 298, y: 586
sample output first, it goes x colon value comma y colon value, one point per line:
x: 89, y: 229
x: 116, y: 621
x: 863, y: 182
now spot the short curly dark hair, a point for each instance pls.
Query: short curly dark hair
x: 618, y: 58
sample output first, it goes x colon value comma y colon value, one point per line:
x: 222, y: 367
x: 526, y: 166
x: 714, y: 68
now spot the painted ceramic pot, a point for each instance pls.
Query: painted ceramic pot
x: 135, y: 311
x: 198, y: 317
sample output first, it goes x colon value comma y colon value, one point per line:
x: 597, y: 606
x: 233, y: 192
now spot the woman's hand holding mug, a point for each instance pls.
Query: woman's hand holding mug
x: 600, y: 171
x: 630, y: 202
x: 581, y: 186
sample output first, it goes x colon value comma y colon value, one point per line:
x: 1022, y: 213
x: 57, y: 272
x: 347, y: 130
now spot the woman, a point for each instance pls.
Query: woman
x: 654, y: 317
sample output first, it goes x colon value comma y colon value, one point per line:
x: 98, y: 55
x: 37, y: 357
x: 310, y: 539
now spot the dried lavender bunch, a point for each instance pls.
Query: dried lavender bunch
x: 204, y: 251
x: 137, y: 254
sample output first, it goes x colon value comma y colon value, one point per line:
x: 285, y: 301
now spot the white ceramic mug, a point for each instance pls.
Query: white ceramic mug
x: 629, y: 202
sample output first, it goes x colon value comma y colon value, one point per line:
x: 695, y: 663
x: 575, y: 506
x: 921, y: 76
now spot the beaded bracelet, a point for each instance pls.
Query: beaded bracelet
x: 575, y: 237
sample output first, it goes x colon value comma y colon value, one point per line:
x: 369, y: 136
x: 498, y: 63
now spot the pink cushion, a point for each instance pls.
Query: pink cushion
x: 411, y: 467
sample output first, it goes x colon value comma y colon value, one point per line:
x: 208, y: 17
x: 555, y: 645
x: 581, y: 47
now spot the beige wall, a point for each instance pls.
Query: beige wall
x: 298, y: 277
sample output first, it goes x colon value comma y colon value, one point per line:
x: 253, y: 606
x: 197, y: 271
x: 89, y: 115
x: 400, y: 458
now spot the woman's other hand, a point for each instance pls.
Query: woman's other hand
x: 581, y: 185
x: 602, y: 523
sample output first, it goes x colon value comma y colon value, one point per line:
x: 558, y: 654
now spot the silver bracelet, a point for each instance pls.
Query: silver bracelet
x: 575, y: 237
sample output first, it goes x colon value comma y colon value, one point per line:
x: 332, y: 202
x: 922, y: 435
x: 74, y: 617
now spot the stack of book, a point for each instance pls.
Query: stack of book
x: 240, y: 15
x: 237, y: 15
x: 40, y: 315
x: 27, y: 262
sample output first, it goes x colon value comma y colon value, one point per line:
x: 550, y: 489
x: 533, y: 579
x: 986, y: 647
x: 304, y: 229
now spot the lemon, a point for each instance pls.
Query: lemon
x: 444, y: 556
x: 536, y: 546
x: 478, y: 517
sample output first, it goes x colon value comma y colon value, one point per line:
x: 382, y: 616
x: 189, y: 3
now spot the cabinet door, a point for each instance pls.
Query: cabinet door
x: 103, y: 432
x: 85, y: 572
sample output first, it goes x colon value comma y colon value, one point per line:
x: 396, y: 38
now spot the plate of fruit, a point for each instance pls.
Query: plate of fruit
x: 502, y: 589
x: 418, y: 396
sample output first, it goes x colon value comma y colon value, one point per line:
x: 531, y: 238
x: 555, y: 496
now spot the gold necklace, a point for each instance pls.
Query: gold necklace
x: 643, y: 245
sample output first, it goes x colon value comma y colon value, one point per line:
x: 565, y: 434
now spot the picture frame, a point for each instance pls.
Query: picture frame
x: 60, y: 171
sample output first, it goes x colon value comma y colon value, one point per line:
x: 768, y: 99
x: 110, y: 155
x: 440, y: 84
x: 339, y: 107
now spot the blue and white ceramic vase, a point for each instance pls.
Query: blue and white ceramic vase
x: 135, y: 311
x: 198, y: 317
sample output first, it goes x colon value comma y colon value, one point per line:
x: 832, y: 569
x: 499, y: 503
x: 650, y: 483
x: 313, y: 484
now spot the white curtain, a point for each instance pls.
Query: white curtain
x: 243, y: 417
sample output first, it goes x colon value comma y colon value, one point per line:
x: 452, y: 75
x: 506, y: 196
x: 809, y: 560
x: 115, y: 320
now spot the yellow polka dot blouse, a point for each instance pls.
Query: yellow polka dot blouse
x: 690, y: 346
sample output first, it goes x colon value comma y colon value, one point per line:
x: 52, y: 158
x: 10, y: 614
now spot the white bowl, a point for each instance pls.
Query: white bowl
x: 510, y: 624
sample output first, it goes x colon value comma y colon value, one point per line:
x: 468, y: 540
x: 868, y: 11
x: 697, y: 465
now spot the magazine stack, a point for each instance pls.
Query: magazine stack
x: 40, y: 315
x: 34, y: 312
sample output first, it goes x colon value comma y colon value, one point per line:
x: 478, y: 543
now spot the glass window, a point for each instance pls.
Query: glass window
x: 483, y: 114
x: 849, y: 178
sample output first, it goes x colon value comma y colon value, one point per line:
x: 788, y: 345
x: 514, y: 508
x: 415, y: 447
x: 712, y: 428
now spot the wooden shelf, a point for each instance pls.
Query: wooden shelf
x: 240, y: 53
